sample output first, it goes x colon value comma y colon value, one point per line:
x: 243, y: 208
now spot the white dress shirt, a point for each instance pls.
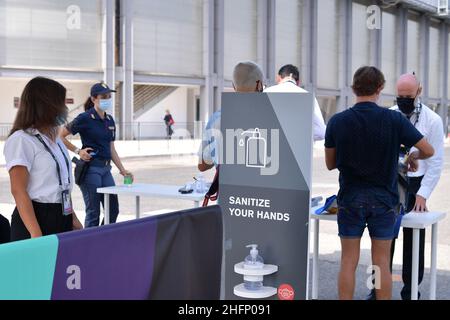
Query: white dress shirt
x: 318, y: 124
x: 24, y: 149
x: 432, y: 128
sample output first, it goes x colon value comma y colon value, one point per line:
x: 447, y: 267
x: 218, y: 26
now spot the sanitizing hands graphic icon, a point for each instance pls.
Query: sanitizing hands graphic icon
x: 256, y: 149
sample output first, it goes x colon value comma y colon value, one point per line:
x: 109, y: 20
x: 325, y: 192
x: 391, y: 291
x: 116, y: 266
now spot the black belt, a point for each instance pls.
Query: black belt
x: 100, y: 163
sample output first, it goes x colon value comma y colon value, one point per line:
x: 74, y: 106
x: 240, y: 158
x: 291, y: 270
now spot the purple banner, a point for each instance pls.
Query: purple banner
x: 109, y: 263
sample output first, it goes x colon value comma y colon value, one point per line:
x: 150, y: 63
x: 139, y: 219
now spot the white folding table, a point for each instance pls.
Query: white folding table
x: 413, y: 220
x: 147, y: 190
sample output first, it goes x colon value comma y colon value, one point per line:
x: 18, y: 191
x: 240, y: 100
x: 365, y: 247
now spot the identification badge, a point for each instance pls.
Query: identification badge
x: 66, y: 203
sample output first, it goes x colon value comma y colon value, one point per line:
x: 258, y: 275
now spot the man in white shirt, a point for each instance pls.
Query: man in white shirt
x: 288, y: 80
x: 422, y: 182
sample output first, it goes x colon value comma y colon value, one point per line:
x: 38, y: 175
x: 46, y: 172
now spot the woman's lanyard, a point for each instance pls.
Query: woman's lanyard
x: 58, y: 168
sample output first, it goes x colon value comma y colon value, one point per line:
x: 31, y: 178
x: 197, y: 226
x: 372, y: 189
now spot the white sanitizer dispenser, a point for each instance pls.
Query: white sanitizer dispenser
x: 253, y: 269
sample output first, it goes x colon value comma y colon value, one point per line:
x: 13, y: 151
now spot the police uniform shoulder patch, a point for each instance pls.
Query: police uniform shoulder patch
x: 92, y: 116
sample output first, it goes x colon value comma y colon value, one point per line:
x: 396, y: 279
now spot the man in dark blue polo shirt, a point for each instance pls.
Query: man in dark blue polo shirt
x: 363, y: 142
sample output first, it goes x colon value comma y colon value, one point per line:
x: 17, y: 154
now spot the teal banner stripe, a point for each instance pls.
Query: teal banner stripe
x: 27, y: 269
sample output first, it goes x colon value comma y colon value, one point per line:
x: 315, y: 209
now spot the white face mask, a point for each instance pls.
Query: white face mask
x: 105, y: 104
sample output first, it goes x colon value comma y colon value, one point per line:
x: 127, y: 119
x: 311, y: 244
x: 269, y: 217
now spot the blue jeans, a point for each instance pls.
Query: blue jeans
x: 98, y: 177
x: 363, y: 208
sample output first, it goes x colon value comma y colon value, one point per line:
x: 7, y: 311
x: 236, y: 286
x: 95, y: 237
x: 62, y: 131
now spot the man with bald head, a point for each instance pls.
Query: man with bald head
x: 421, y: 183
x: 247, y: 78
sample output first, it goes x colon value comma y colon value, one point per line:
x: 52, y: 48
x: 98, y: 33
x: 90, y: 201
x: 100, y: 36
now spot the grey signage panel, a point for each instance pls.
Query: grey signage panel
x: 265, y: 183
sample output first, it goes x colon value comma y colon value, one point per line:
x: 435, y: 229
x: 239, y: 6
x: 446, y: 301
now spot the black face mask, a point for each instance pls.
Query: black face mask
x: 406, y: 105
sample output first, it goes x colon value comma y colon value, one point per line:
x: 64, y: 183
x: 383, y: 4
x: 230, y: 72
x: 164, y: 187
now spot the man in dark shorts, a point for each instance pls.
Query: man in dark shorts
x: 363, y: 142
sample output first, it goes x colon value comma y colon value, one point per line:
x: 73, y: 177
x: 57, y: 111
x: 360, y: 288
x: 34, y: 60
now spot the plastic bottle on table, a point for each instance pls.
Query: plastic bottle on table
x: 200, y: 184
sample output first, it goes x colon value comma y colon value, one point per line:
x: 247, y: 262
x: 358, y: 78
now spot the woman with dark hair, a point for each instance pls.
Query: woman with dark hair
x: 38, y: 164
x: 98, y: 133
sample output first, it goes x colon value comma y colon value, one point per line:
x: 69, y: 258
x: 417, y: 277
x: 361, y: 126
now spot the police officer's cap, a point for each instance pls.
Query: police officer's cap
x: 100, y: 88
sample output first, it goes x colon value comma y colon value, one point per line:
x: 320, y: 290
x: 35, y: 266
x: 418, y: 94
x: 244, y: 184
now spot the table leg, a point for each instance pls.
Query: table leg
x: 196, y: 204
x: 138, y: 207
x: 415, y: 265
x: 433, y: 261
x: 106, y: 209
x: 315, y: 276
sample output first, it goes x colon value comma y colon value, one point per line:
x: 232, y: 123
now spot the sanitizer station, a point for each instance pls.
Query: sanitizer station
x: 265, y: 183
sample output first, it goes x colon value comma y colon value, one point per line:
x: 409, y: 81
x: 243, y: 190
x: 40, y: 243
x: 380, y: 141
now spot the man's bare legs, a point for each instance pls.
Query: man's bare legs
x: 349, y: 263
x: 381, y: 258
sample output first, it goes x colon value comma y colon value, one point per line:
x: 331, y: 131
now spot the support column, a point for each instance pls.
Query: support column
x: 402, y: 43
x: 266, y: 39
x: 128, y: 71
x: 444, y: 74
x: 213, y: 60
x: 309, y: 44
x: 206, y: 91
x: 375, y: 43
x: 345, y: 72
x: 219, y: 49
x: 108, y: 47
x: 424, y: 52
x: 271, y: 41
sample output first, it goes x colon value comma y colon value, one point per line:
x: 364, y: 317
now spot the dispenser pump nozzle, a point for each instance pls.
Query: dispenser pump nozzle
x: 254, y: 251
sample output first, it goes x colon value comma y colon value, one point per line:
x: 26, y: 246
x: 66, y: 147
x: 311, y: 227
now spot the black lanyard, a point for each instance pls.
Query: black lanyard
x: 58, y: 168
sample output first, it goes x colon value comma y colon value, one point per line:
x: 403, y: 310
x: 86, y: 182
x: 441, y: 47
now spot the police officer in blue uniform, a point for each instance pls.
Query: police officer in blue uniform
x: 98, y: 133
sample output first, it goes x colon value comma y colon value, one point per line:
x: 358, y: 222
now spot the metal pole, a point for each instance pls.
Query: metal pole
x: 315, y: 284
x: 433, y: 267
x: 138, y: 207
x: 139, y: 136
x: 415, y: 265
x: 106, y: 208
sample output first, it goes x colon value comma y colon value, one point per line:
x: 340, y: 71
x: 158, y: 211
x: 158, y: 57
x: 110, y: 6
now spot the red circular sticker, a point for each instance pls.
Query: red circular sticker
x: 286, y: 292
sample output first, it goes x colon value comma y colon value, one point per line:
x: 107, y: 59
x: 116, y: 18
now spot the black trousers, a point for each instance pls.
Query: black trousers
x: 5, y: 230
x: 50, y: 219
x: 413, y: 188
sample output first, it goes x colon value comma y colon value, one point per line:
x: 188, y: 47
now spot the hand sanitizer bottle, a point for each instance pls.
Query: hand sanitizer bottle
x: 253, y: 262
x: 200, y: 184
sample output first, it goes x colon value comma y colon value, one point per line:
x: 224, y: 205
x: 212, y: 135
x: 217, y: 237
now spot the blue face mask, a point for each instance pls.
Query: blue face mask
x: 105, y: 104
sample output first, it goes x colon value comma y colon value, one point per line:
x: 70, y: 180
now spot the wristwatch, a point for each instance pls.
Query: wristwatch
x: 77, y: 151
